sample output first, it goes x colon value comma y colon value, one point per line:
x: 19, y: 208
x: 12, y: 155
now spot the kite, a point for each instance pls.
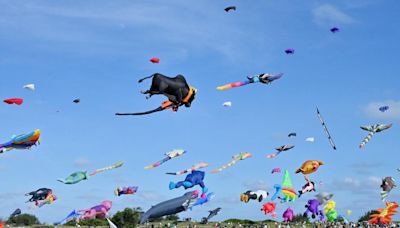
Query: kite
x: 331, y: 215
x: 289, y: 51
x: 116, y: 165
x: 312, y: 207
x: 289, y: 194
x: 41, y: 197
x: 30, y: 87
x: 292, y: 134
x: 278, y: 190
x: 17, y: 101
x: 324, y: 197
x: 310, y: 139
x: 384, y: 215
x: 308, y: 187
x: 253, y: 195
x: 276, y: 170
x: 384, y: 108
x: 25, y: 141
x: 76, y: 101
x: 155, y: 60
x: 16, y: 212
x: 288, y: 215
x: 49, y: 200
x: 192, y: 179
x: 111, y: 224
x: 1, y: 224
x: 348, y: 212
x: 269, y: 208
x: 74, y: 178
x: 280, y: 150
x: 326, y: 130
x: 263, y: 78
x: 227, y: 104
x: 213, y: 213
x: 236, y: 158
x: 194, y: 167
x: 230, y: 8
x: 126, y: 190
x: 169, y: 155
x: 329, y: 206
x: 334, y: 30
x: 170, y: 207
x: 388, y: 183
x: 99, y: 211
x: 204, y: 199
x: 309, y: 166
x: 176, y: 89
x: 372, y: 129
x: 71, y: 216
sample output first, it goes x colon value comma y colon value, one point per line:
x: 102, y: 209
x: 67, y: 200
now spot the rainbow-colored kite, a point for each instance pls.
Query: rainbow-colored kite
x: 25, y: 141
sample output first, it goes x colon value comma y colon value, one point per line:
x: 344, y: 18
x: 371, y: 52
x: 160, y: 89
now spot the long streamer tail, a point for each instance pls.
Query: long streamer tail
x: 366, y: 139
x: 157, y: 163
x: 224, y: 167
x: 116, y: 165
x: 233, y: 85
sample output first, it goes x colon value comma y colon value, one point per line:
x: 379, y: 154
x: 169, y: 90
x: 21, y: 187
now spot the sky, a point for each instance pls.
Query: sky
x: 97, y: 50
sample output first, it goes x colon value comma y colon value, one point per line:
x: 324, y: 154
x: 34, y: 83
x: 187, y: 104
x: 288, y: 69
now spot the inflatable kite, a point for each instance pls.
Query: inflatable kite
x: 74, y: 178
x: 330, y: 211
x: 313, y: 209
x: 309, y: 166
x: 308, y: 187
x: 278, y: 190
x: 30, y: 87
x: 41, y: 197
x: 372, y: 129
x: 169, y: 155
x: 326, y: 130
x: 384, y: 215
x: 111, y: 224
x: 126, y: 190
x: 16, y: 212
x: 155, y: 60
x: 253, y: 195
x: 276, y: 170
x: 170, y: 207
x: 388, y: 183
x: 263, y: 78
x: 212, y: 213
x: 236, y: 158
x: 230, y: 8
x: 191, y: 180
x: 288, y: 215
x: 204, y: 199
x: 269, y: 208
x: 17, y: 101
x: 324, y: 197
x: 334, y: 29
x: 289, y: 194
x: 99, y: 211
x: 194, y: 167
x: 289, y: 51
x: 116, y: 165
x: 348, y: 212
x: 71, y: 216
x: 384, y: 108
x: 280, y: 150
x: 176, y: 89
x: 20, y: 142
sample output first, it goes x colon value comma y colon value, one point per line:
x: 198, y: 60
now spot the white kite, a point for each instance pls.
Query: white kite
x: 227, y: 104
x: 30, y: 87
x: 310, y: 139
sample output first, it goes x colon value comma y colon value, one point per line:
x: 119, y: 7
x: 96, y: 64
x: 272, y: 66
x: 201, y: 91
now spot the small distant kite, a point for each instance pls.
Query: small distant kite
x: 114, y: 166
x: 289, y: 51
x: 76, y: 101
x: 230, y: 8
x: 310, y: 139
x: 292, y: 134
x: 276, y: 170
x: 280, y: 150
x: 17, y: 101
x: 372, y: 129
x: 326, y: 130
x: 235, y: 158
x: 155, y: 60
x: 384, y: 108
x: 169, y: 155
x: 227, y: 104
x: 30, y: 87
x: 194, y: 167
x: 263, y: 78
x: 126, y: 190
x: 25, y: 141
x: 334, y: 29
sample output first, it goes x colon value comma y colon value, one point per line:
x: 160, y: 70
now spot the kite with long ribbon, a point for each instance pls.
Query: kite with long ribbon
x: 263, y: 78
x: 116, y: 165
x: 164, y: 106
x: 372, y: 129
x: 169, y: 155
x: 326, y: 130
x: 235, y: 158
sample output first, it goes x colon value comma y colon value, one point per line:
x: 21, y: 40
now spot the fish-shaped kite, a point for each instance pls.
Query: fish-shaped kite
x: 116, y: 165
x: 194, y: 167
x: 169, y: 155
x: 235, y: 158
x: 74, y: 178
x: 326, y: 130
x: 372, y: 129
x: 263, y: 78
x: 25, y: 141
x: 17, y: 101
x: 280, y: 150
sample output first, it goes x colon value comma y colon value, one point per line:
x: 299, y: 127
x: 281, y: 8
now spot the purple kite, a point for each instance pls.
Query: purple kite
x: 276, y: 170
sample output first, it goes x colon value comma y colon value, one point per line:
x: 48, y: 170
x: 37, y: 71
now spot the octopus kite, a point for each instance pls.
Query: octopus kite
x: 169, y: 155
x: 236, y: 158
x: 25, y: 141
x: 372, y: 129
x: 384, y: 215
x: 263, y: 78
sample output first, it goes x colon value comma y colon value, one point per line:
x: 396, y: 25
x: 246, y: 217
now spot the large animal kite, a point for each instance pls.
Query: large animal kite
x: 384, y: 215
x: 269, y: 208
x: 98, y: 211
x: 204, y: 199
x: 192, y: 179
x: 263, y: 78
x: 288, y: 215
x: 326, y: 130
x: 253, y: 195
x: 388, y: 183
x: 309, y: 166
x: 75, y: 178
x: 236, y: 158
x: 194, y: 167
x: 280, y: 150
x: 25, y: 141
x: 212, y: 213
x: 324, y: 197
x: 169, y: 155
x: 176, y: 89
x: 278, y: 190
x: 170, y: 207
x: 313, y: 209
x: 372, y: 129
x: 289, y: 194
x: 308, y: 187
x: 41, y: 197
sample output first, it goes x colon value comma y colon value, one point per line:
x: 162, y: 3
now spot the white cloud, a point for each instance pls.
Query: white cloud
x: 327, y: 14
x: 371, y: 110
x: 81, y: 162
x: 368, y: 185
x: 256, y: 185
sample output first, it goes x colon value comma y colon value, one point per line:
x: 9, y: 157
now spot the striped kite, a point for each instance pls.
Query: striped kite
x: 194, y: 167
x: 280, y: 150
x: 235, y: 158
x: 372, y: 129
x: 169, y: 155
x: 263, y: 78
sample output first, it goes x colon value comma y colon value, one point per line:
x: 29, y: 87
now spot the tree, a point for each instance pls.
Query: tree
x: 129, y: 217
x: 300, y: 218
x: 367, y: 216
x: 24, y: 219
x: 173, y: 218
x: 89, y: 222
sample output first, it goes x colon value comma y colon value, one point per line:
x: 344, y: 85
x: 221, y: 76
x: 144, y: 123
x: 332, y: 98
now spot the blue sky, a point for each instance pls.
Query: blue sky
x: 97, y: 50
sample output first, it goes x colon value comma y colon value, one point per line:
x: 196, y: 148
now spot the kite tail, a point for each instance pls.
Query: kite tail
x: 272, y: 155
x: 366, y: 139
x: 180, y: 172
x: 116, y: 165
x: 141, y: 80
x: 61, y: 180
x: 157, y: 163
x: 233, y: 85
x: 224, y: 167
x: 384, y: 195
